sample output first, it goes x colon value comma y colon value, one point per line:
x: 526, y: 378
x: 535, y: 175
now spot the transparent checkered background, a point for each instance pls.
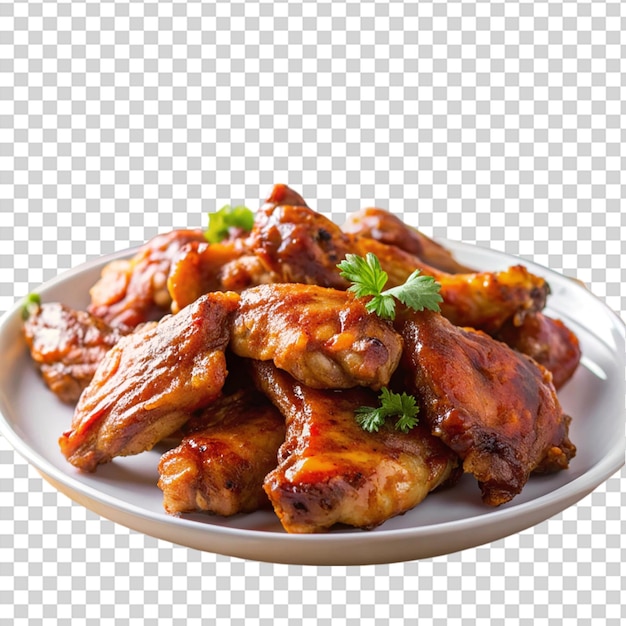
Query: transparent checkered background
x: 495, y: 123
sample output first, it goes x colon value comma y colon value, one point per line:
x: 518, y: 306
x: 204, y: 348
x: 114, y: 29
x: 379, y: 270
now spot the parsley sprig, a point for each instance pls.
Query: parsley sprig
x: 369, y: 279
x: 228, y: 217
x: 392, y: 404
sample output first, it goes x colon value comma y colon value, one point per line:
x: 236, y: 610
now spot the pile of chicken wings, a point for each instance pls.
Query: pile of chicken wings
x: 250, y: 358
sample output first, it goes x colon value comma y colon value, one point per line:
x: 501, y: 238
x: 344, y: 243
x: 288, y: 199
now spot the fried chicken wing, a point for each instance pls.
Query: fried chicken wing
x: 496, y: 408
x: 323, y: 337
x: 550, y: 342
x: 298, y: 245
x: 132, y: 291
x: 389, y: 229
x: 222, y: 462
x: 200, y: 268
x: 481, y: 300
x: 148, y: 384
x: 67, y: 345
x: 331, y: 471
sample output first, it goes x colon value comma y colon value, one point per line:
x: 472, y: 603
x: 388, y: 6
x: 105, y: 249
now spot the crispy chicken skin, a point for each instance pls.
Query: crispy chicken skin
x: 323, y: 337
x: 389, y: 229
x: 132, y: 291
x: 496, y: 408
x: 148, y: 384
x: 331, y: 471
x: 296, y: 244
x: 549, y: 341
x: 67, y: 345
x: 221, y: 463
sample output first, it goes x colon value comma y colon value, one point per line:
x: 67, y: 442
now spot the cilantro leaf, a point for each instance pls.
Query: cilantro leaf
x: 224, y: 219
x: 369, y: 418
x: 401, y: 405
x: 368, y: 279
x: 383, y: 305
x: 366, y: 275
x: 418, y: 292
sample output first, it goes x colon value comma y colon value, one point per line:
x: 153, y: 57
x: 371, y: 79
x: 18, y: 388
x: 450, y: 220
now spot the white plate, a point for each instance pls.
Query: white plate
x: 125, y: 490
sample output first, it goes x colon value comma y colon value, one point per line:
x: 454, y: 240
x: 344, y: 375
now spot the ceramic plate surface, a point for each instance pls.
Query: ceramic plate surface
x: 125, y: 490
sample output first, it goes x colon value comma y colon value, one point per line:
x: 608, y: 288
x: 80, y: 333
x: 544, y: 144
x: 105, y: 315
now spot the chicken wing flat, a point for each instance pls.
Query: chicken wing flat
x: 323, y: 337
x: 67, y: 345
x: 389, y: 229
x: 331, y: 471
x: 496, y: 408
x: 132, y: 291
x: 549, y: 341
x: 150, y: 382
x: 222, y: 462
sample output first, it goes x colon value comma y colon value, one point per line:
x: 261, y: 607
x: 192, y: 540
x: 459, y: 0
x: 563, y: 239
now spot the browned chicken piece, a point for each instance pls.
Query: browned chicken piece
x: 496, y: 408
x: 150, y: 382
x: 222, y: 462
x: 299, y: 245
x: 549, y: 341
x: 481, y: 300
x: 200, y: 268
x: 132, y: 291
x: 67, y: 345
x: 323, y: 337
x: 282, y: 195
x: 331, y: 471
x: 389, y: 229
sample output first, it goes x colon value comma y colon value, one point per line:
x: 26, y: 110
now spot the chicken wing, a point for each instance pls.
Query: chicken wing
x: 200, y: 268
x: 389, y: 229
x: 132, y: 291
x: 299, y: 245
x: 331, y: 471
x: 550, y: 342
x: 482, y: 300
x: 148, y: 384
x: 496, y: 408
x: 323, y: 337
x: 222, y: 462
x: 67, y: 346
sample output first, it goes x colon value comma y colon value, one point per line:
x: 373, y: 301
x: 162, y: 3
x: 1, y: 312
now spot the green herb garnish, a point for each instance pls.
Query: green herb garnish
x: 228, y: 217
x: 399, y: 404
x: 32, y: 302
x: 368, y: 279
